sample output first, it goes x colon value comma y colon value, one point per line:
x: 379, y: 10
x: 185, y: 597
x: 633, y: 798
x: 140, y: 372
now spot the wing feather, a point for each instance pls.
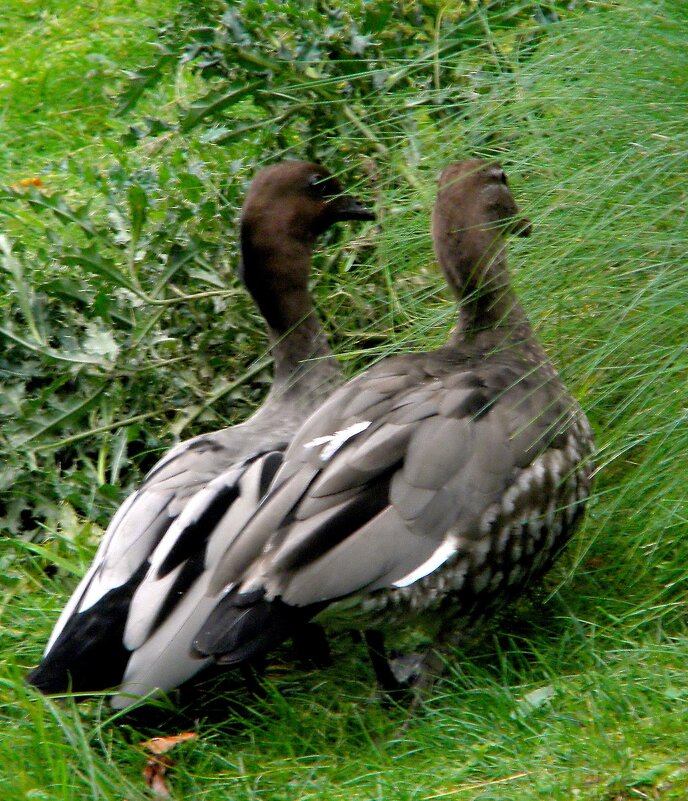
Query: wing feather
x: 400, y: 495
x: 244, y: 549
x: 165, y: 660
x: 202, y: 532
x: 359, y: 561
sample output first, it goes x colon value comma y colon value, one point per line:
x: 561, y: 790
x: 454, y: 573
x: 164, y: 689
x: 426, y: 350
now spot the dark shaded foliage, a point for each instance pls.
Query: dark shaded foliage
x: 342, y: 78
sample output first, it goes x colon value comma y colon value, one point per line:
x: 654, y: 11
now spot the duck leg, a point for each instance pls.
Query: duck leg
x: 253, y: 671
x: 412, y: 674
x: 311, y: 646
x: 375, y: 643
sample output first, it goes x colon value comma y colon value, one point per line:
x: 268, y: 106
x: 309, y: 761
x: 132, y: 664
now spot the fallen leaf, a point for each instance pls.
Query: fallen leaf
x: 154, y: 774
x: 161, y: 745
x: 158, y: 765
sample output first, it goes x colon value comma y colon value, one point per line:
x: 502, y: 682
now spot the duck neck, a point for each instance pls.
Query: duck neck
x: 302, y: 355
x: 277, y: 280
x: 488, y: 306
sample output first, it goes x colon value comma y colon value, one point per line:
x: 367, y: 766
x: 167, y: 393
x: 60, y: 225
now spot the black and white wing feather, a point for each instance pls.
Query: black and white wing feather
x: 398, y: 473
x: 87, y: 648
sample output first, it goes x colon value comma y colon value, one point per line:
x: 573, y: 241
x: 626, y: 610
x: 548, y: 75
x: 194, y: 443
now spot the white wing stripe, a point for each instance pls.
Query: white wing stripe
x: 445, y: 551
x: 333, y: 442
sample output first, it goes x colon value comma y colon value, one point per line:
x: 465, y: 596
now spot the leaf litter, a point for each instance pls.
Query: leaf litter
x: 158, y: 763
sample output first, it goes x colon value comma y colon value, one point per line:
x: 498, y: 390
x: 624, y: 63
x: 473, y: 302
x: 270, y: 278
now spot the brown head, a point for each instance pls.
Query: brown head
x: 473, y: 212
x: 287, y: 206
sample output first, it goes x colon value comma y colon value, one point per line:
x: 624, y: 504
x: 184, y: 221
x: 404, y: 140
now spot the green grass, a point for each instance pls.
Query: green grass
x: 581, y: 692
x: 59, y: 64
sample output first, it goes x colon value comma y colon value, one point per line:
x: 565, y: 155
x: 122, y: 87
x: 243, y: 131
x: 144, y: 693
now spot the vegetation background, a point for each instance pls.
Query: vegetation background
x: 128, y: 134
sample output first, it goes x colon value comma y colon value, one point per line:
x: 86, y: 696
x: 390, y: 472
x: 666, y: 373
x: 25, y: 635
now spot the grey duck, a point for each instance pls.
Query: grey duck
x: 119, y: 625
x: 431, y: 489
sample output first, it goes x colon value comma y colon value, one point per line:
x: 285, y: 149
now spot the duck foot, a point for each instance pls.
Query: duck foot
x: 421, y: 671
x: 406, y: 668
x: 406, y: 677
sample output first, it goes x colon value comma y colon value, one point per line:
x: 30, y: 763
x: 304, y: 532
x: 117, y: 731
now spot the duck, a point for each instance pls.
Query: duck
x: 428, y: 492
x: 115, y: 627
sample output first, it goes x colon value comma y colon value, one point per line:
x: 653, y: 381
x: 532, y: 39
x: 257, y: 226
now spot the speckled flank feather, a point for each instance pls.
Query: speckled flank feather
x: 132, y: 614
x: 519, y: 538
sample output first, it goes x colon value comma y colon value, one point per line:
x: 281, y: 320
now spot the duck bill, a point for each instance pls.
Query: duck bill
x: 347, y: 207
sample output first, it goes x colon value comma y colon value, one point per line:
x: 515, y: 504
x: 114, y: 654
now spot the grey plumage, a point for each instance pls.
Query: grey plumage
x: 131, y: 617
x: 438, y: 481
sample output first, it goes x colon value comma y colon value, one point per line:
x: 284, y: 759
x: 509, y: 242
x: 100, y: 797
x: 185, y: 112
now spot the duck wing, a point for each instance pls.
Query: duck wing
x: 87, y: 648
x: 172, y: 599
x: 398, y: 472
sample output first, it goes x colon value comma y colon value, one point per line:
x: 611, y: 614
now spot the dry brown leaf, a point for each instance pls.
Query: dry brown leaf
x: 161, y: 745
x: 154, y: 774
x: 158, y: 765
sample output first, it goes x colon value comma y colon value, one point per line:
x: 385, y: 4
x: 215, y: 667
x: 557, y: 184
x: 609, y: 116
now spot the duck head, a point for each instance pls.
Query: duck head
x: 288, y: 205
x: 473, y: 212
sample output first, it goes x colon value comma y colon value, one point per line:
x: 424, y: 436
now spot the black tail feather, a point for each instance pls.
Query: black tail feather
x: 89, y: 655
x: 246, y: 625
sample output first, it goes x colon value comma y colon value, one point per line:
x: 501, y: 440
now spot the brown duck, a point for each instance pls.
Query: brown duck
x: 119, y: 624
x: 432, y: 488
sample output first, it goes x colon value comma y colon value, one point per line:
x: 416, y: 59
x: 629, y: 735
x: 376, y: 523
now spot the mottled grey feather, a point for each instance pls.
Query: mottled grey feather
x: 383, y: 448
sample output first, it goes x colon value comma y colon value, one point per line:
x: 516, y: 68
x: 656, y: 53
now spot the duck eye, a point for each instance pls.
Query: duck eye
x: 502, y: 177
x: 321, y: 185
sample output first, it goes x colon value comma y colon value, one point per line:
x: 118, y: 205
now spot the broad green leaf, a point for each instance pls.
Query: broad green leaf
x: 21, y: 286
x: 140, y: 80
x: 74, y: 411
x: 213, y: 103
x: 62, y: 210
x: 95, y: 262
x: 138, y: 206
